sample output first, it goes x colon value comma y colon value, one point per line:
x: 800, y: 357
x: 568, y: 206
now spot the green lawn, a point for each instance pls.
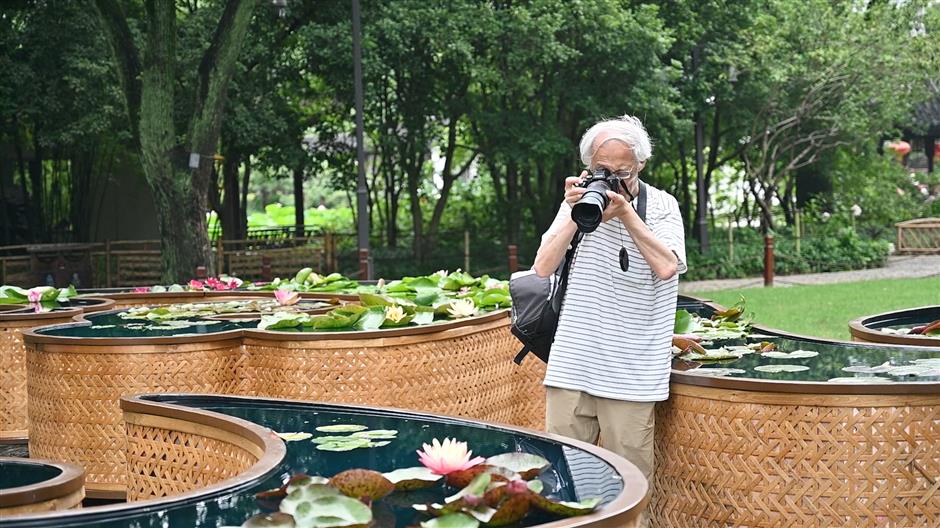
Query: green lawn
x: 826, y: 310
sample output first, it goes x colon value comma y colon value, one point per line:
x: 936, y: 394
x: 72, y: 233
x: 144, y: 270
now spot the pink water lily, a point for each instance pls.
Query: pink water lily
x: 233, y: 282
x: 34, y: 295
x: 286, y: 297
x: 447, y: 457
x: 142, y: 289
x: 196, y: 285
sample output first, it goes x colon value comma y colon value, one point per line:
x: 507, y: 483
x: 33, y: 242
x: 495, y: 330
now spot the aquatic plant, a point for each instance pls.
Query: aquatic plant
x: 447, y: 456
x: 38, y: 295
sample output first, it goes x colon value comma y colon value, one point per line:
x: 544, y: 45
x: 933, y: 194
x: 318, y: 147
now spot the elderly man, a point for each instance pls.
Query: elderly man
x: 611, y: 356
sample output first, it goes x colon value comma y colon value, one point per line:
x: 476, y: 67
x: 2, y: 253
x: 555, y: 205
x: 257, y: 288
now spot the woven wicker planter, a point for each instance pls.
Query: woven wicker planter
x: 727, y: 457
x: 866, y: 328
x: 63, y: 490
x: 75, y: 385
x: 13, y: 416
x: 460, y: 369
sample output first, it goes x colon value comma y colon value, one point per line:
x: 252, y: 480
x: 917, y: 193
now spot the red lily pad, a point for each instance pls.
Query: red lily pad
x: 271, y: 498
x: 359, y: 483
x: 564, y: 509
x: 526, y: 465
x: 462, y: 478
x: 511, y: 511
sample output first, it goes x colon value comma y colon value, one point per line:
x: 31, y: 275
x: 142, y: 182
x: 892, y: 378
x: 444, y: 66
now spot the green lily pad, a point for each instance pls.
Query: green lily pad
x: 796, y: 354
x: 912, y: 370
x: 330, y: 512
x: 452, y: 520
x: 859, y: 380
x: 341, y: 428
x: 270, y: 520
x: 294, y: 437
x: 684, y: 323
x: 358, y: 483
x: 383, y: 443
x: 476, y: 487
x: 525, y: 464
x: 864, y: 369
x: 412, y: 478
x: 347, y: 446
x: 335, y: 439
x: 774, y: 369
x: 377, y: 434
x: 536, y: 486
x: 713, y: 354
x: 564, y: 509
x: 713, y: 371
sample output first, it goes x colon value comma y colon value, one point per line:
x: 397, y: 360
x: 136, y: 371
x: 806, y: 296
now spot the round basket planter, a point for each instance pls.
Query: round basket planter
x: 75, y: 385
x: 29, y: 486
x: 867, y: 328
x: 13, y: 321
x: 459, y: 368
x: 741, y: 450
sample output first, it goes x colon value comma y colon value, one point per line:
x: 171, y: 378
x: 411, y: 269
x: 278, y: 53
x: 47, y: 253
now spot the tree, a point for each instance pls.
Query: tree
x: 823, y: 76
x: 176, y: 153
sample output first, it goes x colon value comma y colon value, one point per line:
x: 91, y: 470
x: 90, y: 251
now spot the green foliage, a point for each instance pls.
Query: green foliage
x: 830, y: 248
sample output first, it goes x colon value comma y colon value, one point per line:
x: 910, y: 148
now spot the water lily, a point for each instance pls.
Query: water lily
x: 462, y: 308
x: 196, y: 285
x: 463, y: 291
x: 286, y: 297
x: 856, y: 210
x: 142, y: 289
x: 447, y: 457
x: 394, y: 313
x: 232, y: 282
x: 34, y: 295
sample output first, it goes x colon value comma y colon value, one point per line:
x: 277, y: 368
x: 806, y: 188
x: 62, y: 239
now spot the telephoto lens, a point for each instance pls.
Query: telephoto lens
x: 589, y: 210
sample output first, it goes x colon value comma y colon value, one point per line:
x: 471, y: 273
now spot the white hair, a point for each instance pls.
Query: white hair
x: 627, y: 129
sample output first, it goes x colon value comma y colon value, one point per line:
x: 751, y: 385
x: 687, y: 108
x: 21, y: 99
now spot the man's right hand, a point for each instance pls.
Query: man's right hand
x: 572, y: 193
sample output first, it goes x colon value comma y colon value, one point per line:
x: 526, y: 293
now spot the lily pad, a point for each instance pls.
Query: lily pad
x: 525, y: 464
x: 864, y: 369
x: 346, y: 446
x: 860, y: 380
x: 331, y: 512
x: 341, y: 428
x: 452, y: 520
x: 270, y: 520
x: 383, y: 443
x: 477, y: 487
x: 565, y: 509
x: 294, y: 437
x: 359, y: 483
x: 377, y: 434
x: 511, y: 511
x: 713, y: 371
x: 713, y: 354
x: 796, y: 354
x: 684, y: 323
x: 912, y: 370
x: 408, y: 479
x: 774, y: 369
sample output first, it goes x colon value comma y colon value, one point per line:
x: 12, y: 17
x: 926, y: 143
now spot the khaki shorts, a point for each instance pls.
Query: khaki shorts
x: 626, y: 428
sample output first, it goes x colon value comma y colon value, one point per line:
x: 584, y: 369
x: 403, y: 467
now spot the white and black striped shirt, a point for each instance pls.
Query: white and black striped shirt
x: 615, y: 327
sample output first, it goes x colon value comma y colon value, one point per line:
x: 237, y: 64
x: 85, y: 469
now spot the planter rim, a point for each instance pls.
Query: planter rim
x: 70, y: 479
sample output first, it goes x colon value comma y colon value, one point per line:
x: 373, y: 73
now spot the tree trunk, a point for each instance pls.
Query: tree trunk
x: 512, y: 203
x: 230, y: 216
x: 243, y: 210
x: 298, y: 201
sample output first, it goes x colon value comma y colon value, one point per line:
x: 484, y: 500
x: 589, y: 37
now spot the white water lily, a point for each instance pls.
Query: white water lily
x: 394, y: 313
x: 491, y: 284
x: 440, y: 273
x: 462, y: 308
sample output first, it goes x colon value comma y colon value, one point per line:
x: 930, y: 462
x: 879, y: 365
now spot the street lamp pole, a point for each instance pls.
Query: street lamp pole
x: 362, y: 192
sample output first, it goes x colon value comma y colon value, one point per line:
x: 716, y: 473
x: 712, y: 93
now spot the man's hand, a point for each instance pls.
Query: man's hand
x: 572, y: 193
x: 617, y: 207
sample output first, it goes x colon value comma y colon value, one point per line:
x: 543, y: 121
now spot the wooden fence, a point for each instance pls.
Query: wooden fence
x: 139, y: 262
x: 919, y: 236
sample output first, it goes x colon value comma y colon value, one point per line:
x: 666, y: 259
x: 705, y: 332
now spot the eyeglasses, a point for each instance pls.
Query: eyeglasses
x: 624, y: 174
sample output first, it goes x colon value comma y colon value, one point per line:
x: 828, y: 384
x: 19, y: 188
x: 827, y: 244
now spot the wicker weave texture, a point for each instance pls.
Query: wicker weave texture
x: 466, y: 372
x: 163, y: 462
x: 73, y: 398
x: 796, y: 463
x: 65, y: 502
x: 13, y: 415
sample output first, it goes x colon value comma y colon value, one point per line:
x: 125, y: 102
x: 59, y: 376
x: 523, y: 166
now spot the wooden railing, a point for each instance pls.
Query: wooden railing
x: 919, y: 236
x: 139, y: 262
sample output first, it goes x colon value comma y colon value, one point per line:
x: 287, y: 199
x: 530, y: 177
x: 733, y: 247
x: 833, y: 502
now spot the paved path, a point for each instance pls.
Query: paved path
x: 899, y: 267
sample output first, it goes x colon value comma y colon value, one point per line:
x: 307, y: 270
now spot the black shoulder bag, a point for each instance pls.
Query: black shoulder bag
x: 536, y: 301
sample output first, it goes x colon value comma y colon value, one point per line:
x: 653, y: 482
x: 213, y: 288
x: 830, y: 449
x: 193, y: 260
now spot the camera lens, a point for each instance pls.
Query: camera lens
x: 589, y: 210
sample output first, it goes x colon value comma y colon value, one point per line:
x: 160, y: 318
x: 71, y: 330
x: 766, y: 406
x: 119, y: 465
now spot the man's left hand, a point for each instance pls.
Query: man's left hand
x: 617, y: 207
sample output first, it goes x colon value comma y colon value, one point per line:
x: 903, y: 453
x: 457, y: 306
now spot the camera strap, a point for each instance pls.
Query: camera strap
x: 640, y: 201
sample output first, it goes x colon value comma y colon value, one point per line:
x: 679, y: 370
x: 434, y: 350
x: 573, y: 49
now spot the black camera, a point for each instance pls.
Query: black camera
x: 589, y: 210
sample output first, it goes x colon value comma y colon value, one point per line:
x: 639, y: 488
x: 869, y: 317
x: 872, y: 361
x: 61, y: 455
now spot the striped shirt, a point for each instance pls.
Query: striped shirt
x: 615, y: 327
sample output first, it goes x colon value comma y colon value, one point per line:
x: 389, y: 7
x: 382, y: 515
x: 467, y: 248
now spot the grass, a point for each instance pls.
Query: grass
x: 825, y: 310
